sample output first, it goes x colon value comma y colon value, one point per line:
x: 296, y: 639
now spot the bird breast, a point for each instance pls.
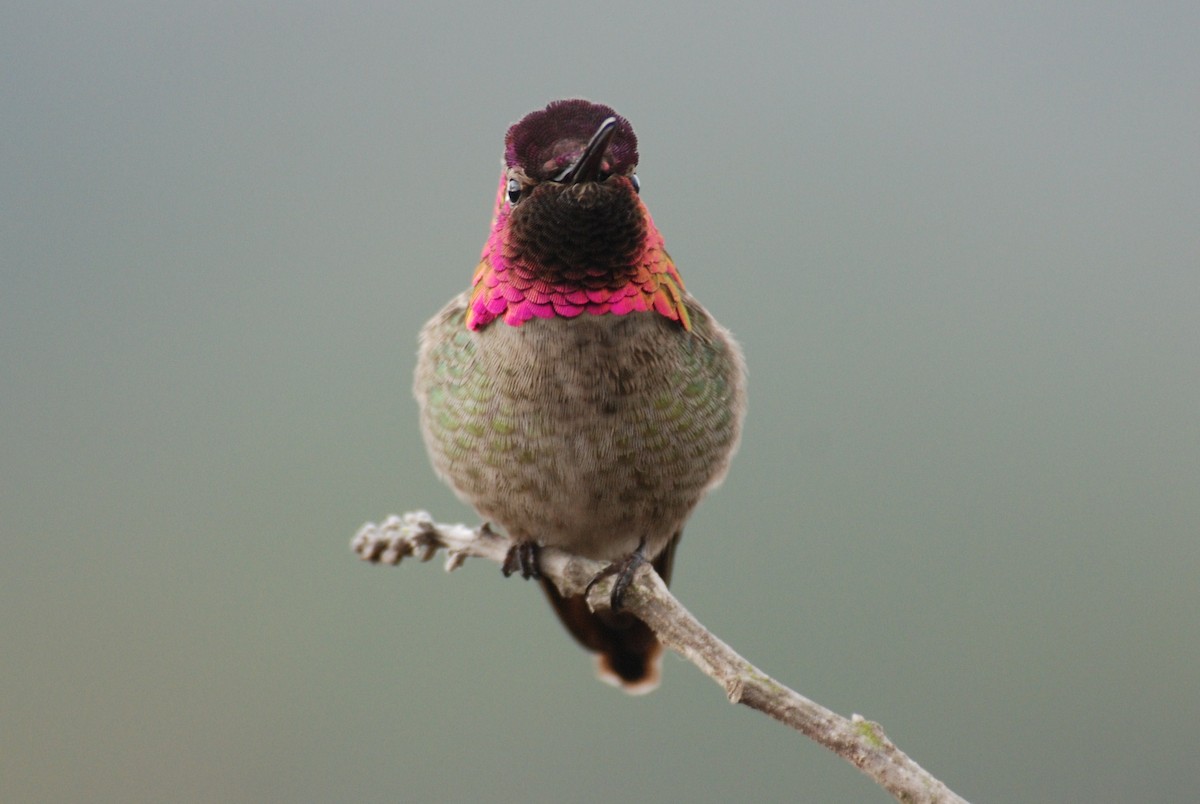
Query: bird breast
x: 589, y: 433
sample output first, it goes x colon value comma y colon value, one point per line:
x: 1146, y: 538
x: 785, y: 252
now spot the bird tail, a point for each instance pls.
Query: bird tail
x: 628, y: 654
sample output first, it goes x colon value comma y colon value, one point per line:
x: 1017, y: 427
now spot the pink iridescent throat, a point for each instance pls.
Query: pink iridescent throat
x: 507, y: 290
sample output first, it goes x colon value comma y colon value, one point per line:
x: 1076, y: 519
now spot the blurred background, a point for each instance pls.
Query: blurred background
x: 959, y: 244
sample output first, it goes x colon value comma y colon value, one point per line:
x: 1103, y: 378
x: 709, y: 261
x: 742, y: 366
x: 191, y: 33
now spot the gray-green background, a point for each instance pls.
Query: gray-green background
x: 959, y: 243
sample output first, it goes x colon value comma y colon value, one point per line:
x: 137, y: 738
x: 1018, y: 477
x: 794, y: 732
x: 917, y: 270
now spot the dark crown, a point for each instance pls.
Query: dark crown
x: 546, y: 141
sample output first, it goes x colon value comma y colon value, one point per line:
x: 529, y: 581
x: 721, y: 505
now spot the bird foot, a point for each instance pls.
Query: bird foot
x: 625, y: 570
x: 522, y: 557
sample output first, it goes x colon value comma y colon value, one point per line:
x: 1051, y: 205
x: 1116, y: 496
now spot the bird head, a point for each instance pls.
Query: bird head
x: 570, y: 234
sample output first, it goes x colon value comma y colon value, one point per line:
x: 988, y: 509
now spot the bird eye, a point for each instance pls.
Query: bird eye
x: 514, y: 191
x: 637, y: 185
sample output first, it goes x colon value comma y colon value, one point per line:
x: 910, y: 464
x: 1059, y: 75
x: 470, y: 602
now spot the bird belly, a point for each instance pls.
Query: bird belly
x: 591, y: 434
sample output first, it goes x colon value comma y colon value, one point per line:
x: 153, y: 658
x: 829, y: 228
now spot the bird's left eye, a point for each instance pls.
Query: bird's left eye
x: 637, y: 185
x: 514, y: 191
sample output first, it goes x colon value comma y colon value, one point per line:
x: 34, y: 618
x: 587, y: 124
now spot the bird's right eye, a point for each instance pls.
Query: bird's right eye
x: 514, y: 191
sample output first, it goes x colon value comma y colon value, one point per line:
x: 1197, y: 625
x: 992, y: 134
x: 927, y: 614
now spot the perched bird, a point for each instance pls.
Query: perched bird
x: 576, y: 394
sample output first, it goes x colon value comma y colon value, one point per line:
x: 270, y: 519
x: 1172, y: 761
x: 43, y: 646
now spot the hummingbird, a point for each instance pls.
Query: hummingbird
x: 576, y: 394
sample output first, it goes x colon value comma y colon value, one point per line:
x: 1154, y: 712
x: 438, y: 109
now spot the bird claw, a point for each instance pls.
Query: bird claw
x: 522, y: 557
x: 625, y: 570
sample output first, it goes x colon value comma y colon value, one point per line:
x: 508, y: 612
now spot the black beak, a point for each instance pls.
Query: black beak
x: 587, y: 166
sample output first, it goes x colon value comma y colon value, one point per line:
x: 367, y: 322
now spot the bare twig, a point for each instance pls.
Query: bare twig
x: 856, y: 740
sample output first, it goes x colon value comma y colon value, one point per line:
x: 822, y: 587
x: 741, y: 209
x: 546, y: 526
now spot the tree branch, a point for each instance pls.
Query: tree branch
x: 857, y: 740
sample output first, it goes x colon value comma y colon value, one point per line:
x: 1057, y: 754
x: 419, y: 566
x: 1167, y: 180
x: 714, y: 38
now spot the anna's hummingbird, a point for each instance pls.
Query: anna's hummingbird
x: 577, y: 395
